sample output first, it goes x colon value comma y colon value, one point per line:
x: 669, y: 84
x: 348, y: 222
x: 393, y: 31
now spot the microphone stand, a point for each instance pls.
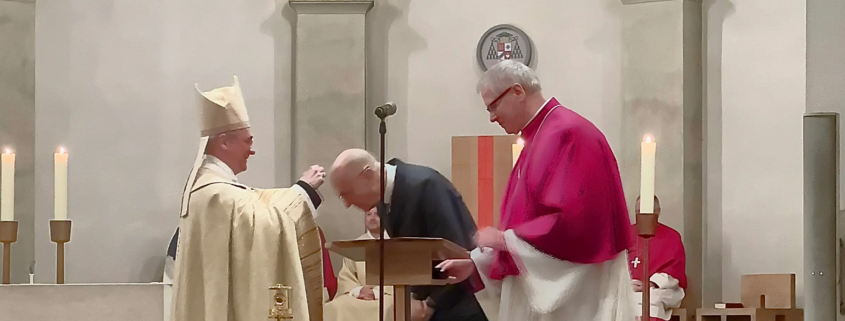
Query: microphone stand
x: 382, y: 213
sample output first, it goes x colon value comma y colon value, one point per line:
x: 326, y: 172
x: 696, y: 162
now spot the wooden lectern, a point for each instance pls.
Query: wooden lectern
x: 408, y: 261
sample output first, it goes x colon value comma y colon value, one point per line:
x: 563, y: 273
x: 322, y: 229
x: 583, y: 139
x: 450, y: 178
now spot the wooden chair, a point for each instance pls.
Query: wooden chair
x: 765, y: 297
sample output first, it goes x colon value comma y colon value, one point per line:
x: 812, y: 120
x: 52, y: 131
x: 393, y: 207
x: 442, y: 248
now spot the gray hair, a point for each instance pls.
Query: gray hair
x: 508, y: 73
x: 213, y: 138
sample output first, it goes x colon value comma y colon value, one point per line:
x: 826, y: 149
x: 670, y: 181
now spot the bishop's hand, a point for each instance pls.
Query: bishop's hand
x: 457, y: 270
x: 314, y: 176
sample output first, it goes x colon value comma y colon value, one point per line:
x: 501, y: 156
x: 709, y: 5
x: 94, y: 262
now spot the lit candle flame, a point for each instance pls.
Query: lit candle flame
x: 520, y: 141
x: 7, y: 151
x: 61, y: 150
x: 648, y: 138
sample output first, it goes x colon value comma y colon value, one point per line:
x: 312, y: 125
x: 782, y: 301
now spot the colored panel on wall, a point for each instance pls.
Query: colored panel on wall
x: 465, y: 171
x: 485, y: 181
x: 481, y: 166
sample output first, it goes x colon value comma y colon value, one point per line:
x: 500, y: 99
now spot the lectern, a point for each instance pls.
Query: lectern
x: 408, y: 261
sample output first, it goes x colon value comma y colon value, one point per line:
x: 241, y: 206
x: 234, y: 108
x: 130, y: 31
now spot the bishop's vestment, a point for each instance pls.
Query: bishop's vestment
x: 565, y: 225
x: 666, y: 267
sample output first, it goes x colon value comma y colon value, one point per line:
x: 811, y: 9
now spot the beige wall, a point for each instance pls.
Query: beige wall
x: 756, y: 83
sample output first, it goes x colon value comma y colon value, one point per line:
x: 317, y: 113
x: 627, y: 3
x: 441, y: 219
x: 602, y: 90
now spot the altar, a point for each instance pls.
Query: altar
x: 85, y: 302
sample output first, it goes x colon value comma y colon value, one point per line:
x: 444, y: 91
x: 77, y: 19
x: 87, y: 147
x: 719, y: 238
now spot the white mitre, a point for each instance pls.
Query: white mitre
x: 220, y: 110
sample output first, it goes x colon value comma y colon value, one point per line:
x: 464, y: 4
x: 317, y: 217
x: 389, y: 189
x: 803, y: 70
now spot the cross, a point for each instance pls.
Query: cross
x: 636, y: 261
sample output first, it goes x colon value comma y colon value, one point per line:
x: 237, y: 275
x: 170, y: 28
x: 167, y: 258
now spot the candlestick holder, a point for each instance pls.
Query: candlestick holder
x: 646, y: 227
x: 8, y: 235
x: 60, y: 234
x: 280, y: 303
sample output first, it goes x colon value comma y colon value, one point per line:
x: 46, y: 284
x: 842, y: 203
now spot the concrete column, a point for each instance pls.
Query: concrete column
x: 17, y: 121
x: 825, y: 83
x: 821, y: 160
x: 329, y: 110
x: 662, y: 96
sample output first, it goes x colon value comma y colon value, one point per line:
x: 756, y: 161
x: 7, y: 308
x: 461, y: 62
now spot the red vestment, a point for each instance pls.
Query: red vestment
x: 329, y: 279
x: 564, y: 196
x: 666, y: 255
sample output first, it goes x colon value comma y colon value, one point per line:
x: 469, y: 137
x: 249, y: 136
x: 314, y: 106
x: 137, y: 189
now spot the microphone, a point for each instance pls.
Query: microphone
x: 385, y: 110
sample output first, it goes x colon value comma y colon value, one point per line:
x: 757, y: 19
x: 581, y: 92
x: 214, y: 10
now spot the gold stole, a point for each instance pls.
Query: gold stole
x: 310, y: 255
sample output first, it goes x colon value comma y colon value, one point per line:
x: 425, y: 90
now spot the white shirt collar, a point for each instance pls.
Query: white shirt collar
x: 388, y: 185
x: 536, y: 113
x: 386, y: 237
x: 218, y: 166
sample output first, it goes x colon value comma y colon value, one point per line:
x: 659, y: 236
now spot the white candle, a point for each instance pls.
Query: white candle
x: 516, y: 149
x: 7, y: 186
x: 649, y: 146
x: 60, y: 185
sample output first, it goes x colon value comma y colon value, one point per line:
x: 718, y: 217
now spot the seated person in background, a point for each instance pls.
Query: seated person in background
x: 667, y: 264
x: 355, y: 300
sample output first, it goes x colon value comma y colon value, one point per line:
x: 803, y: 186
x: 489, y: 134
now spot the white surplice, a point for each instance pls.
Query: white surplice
x: 667, y: 296
x: 549, y: 289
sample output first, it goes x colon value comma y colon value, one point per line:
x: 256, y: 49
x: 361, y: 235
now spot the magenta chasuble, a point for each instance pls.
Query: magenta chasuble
x: 564, y: 196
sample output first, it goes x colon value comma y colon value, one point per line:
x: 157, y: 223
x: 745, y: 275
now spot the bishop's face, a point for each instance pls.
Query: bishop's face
x: 656, y: 208
x: 238, y: 147
x: 506, y: 108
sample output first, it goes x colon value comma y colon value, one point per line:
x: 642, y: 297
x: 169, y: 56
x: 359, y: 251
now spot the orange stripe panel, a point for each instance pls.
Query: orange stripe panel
x: 485, y: 181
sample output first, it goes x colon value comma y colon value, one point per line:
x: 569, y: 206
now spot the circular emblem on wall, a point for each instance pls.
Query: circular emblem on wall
x: 503, y: 42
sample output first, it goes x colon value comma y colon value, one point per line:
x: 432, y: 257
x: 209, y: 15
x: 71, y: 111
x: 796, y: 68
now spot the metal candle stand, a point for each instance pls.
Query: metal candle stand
x: 8, y: 235
x: 60, y: 234
x: 646, y: 227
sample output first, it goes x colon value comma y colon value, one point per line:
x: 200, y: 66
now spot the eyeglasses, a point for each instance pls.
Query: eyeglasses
x: 494, y: 104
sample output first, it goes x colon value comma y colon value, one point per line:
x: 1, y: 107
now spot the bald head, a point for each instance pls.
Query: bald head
x: 355, y: 175
x: 354, y: 159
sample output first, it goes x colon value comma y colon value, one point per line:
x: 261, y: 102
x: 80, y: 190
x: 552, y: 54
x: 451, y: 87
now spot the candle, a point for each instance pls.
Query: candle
x: 60, y: 185
x: 7, y: 186
x: 648, y: 146
x: 516, y: 149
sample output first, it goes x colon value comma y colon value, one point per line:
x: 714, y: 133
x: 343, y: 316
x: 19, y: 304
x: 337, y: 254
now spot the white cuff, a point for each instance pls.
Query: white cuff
x: 664, y: 281
x: 355, y: 291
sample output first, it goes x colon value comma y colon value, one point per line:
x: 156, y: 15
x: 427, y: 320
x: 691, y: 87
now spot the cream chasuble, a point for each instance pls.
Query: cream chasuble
x: 346, y: 306
x: 236, y: 241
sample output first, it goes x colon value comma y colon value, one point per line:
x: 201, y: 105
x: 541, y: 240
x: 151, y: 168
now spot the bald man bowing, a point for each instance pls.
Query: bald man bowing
x: 421, y: 203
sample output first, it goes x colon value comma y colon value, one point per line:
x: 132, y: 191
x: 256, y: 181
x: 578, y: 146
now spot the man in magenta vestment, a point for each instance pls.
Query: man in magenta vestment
x: 666, y: 267
x: 560, y: 251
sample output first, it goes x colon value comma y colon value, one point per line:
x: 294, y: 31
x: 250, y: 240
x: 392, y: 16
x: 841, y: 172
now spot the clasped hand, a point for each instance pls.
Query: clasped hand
x: 314, y: 176
x: 490, y: 237
x: 638, y: 285
x: 367, y: 293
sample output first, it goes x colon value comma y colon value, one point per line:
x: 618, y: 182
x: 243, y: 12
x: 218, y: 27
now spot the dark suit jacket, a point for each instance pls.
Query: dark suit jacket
x: 426, y: 204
